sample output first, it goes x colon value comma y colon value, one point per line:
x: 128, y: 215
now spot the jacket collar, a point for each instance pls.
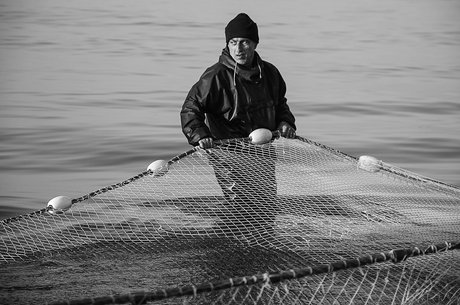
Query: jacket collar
x: 252, y: 74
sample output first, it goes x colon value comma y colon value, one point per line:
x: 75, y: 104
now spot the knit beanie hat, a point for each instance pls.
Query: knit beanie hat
x: 241, y: 26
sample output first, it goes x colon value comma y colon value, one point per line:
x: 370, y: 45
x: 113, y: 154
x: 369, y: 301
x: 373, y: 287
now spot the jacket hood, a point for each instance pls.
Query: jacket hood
x: 252, y: 74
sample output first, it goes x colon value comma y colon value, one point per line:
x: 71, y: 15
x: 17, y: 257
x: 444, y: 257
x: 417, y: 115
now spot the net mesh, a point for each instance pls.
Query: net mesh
x: 286, y: 222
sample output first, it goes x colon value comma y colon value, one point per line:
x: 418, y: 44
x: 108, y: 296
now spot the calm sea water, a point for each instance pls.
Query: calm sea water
x: 90, y: 91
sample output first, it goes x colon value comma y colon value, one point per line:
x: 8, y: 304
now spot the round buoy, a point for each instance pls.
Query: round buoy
x: 159, y: 167
x: 59, y: 204
x: 260, y: 136
x: 369, y: 163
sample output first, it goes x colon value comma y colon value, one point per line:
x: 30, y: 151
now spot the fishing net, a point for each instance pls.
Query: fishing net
x: 290, y: 221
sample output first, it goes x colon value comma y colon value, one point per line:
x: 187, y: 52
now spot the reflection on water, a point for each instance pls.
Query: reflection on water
x: 91, y: 93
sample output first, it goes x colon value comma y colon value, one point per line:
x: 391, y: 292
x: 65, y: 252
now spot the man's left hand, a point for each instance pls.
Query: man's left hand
x: 286, y: 130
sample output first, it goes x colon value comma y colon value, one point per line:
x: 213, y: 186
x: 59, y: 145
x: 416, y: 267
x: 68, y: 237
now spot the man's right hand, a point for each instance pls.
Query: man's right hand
x: 206, y: 143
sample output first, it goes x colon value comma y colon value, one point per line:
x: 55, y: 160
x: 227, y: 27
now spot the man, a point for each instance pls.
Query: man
x: 238, y: 94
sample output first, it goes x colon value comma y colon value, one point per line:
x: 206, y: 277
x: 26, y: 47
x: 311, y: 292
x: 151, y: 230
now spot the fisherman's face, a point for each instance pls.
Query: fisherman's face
x: 242, y: 50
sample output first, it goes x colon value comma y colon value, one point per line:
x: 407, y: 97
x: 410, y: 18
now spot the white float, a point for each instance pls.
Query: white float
x: 159, y: 167
x: 369, y: 163
x: 260, y: 136
x: 59, y: 204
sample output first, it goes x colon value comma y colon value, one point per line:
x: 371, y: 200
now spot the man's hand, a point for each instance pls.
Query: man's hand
x: 286, y: 130
x: 206, y: 143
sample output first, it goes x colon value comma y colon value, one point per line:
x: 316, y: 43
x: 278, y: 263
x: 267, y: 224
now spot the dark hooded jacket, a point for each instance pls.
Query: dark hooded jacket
x: 230, y: 101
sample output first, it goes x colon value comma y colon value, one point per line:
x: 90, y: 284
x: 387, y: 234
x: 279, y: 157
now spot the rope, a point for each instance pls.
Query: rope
x: 387, y: 167
x: 396, y: 256
x: 120, y: 184
x: 276, y: 135
x: 102, y: 190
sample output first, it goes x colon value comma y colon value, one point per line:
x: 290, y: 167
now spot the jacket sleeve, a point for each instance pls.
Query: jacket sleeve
x: 193, y: 113
x: 283, y: 113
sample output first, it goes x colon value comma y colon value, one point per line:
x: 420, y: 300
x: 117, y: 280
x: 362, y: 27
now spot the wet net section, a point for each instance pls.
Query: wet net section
x: 286, y: 222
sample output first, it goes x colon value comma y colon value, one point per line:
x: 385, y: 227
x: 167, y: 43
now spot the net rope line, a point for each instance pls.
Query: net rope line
x: 395, y: 256
x: 384, y: 166
x: 389, y: 168
x: 116, y: 185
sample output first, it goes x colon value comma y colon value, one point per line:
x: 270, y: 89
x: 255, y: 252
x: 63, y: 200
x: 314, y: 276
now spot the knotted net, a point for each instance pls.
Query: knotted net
x: 287, y: 222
